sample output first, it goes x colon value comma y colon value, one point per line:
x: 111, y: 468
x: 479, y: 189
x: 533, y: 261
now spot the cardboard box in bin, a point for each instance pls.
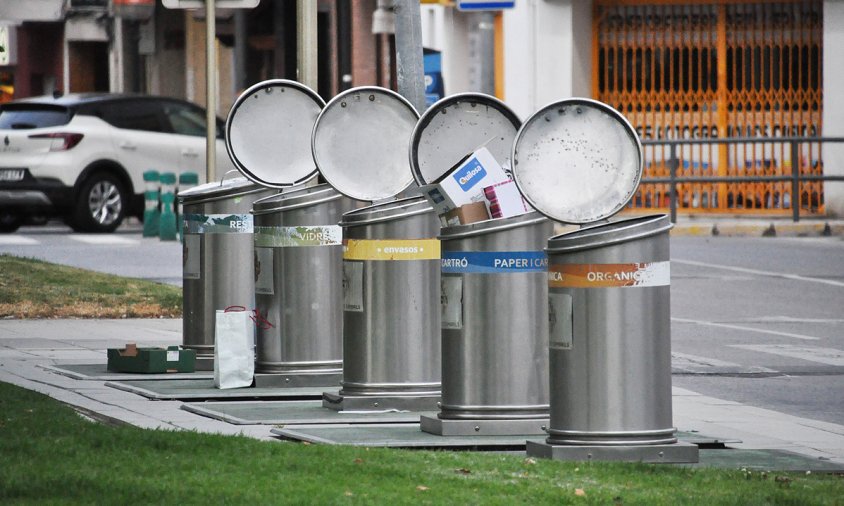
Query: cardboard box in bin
x: 505, y: 200
x: 464, y: 183
x: 466, y: 214
x: 151, y: 360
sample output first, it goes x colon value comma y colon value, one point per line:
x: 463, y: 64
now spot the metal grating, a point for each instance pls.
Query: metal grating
x: 716, y: 70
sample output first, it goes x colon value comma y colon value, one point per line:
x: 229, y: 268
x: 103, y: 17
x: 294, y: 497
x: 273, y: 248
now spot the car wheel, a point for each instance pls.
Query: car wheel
x: 9, y: 222
x: 100, y: 205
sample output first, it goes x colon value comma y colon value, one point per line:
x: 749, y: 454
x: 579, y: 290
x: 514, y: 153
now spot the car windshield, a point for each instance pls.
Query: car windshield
x: 26, y: 116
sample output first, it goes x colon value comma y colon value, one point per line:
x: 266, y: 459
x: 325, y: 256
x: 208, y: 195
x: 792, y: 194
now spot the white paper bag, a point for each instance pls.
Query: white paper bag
x: 234, y: 363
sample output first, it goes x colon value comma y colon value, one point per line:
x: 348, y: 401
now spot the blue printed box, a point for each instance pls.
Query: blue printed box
x: 465, y: 182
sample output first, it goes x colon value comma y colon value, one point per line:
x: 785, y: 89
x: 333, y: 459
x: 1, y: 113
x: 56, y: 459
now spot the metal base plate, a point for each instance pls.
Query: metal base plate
x: 291, y: 413
x: 407, y: 435
x: 204, y: 363
x: 434, y: 425
x: 281, y: 380
x: 676, y: 453
x: 199, y: 389
x: 100, y: 372
x: 339, y: 402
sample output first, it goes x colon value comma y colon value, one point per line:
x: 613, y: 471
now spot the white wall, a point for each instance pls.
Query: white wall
x: 547, y: 52
x: 833, y: 103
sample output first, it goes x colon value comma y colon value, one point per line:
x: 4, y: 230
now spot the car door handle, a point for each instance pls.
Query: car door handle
x: 128, y: 146
x: 189, y: 153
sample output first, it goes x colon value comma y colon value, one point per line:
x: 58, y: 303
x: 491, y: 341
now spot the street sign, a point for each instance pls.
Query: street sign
x: 220, y: 4
x: 484, y: 5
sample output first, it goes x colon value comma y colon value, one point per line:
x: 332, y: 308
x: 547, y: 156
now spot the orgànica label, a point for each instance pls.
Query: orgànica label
x: 493, y: 262
x: 391, y: 249
x: 217, y: 223
x: 643, y: 274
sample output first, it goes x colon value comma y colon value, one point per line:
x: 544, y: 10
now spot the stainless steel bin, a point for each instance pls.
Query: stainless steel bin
x: 579, y: 161
x: 299, y: 284
x: 610, y: 334
x: 217, y: 257
x: 494, y: 328
x: 391, y: 281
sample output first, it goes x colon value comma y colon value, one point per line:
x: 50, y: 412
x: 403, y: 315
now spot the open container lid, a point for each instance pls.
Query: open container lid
x: 577, y: 161
x: 268, y: 132
x: 360, y: 142
x: 455, y: 126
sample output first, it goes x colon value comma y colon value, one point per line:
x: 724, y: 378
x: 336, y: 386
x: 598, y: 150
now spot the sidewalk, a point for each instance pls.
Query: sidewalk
x: 28, y: 345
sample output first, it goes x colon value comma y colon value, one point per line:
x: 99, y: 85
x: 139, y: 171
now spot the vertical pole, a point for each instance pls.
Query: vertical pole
x: 795, y: 182
x: 409, y: 69
x: 344, y: 45
x: 721, y: 57
x: 306, y: 43
x: 672, y: 174
x: 210, y: 90
x: 486, y: 52
x: 240, y: 35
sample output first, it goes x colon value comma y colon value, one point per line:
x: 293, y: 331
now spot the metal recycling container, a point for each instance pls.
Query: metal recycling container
x: 391, y: 291
x: 391, y: 257
x: 217, y: 268
x: 298, y: 244
x: 610, y: 335
x: 495, y: 319
x: 579, y: 161
x: 299, y: 281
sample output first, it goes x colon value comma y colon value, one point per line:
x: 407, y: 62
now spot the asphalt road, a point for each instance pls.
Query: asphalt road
x: 761, y: 321
x: 754, y: 320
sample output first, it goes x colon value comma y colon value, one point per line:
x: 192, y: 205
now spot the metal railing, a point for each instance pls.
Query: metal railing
x: 796, y: 177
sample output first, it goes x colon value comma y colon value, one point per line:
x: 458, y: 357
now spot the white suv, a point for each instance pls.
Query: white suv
x: 82, y: 156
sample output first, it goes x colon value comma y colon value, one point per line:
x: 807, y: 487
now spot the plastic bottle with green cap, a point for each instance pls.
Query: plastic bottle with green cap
x: 152, y: 192
x: 167, y: 225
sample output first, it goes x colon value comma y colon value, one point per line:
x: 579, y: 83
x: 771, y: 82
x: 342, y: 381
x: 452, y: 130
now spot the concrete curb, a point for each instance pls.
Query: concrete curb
x: 758, y: 228
x: 745, y: 227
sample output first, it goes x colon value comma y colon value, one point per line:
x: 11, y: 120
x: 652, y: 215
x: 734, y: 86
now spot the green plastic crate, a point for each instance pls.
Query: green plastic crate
x: 151, y: 360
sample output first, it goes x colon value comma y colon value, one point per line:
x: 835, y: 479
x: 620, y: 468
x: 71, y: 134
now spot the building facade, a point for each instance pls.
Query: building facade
x: 686, y: 74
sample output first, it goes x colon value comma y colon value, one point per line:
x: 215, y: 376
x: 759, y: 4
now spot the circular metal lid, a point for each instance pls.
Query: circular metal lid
x: 577, y: 161
x: 268, y: 132
x: 457, y: 125
x: 360, y: 142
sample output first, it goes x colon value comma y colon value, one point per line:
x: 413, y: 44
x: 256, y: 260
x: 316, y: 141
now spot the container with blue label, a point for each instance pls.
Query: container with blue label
x: 493, y: 277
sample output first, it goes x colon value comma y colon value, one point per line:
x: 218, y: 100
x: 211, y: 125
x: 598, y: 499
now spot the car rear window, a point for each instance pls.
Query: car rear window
x: 26, y: 116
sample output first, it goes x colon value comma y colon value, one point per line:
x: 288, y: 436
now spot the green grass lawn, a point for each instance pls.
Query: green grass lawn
x: 35, y: 289
x: 49, y: 454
